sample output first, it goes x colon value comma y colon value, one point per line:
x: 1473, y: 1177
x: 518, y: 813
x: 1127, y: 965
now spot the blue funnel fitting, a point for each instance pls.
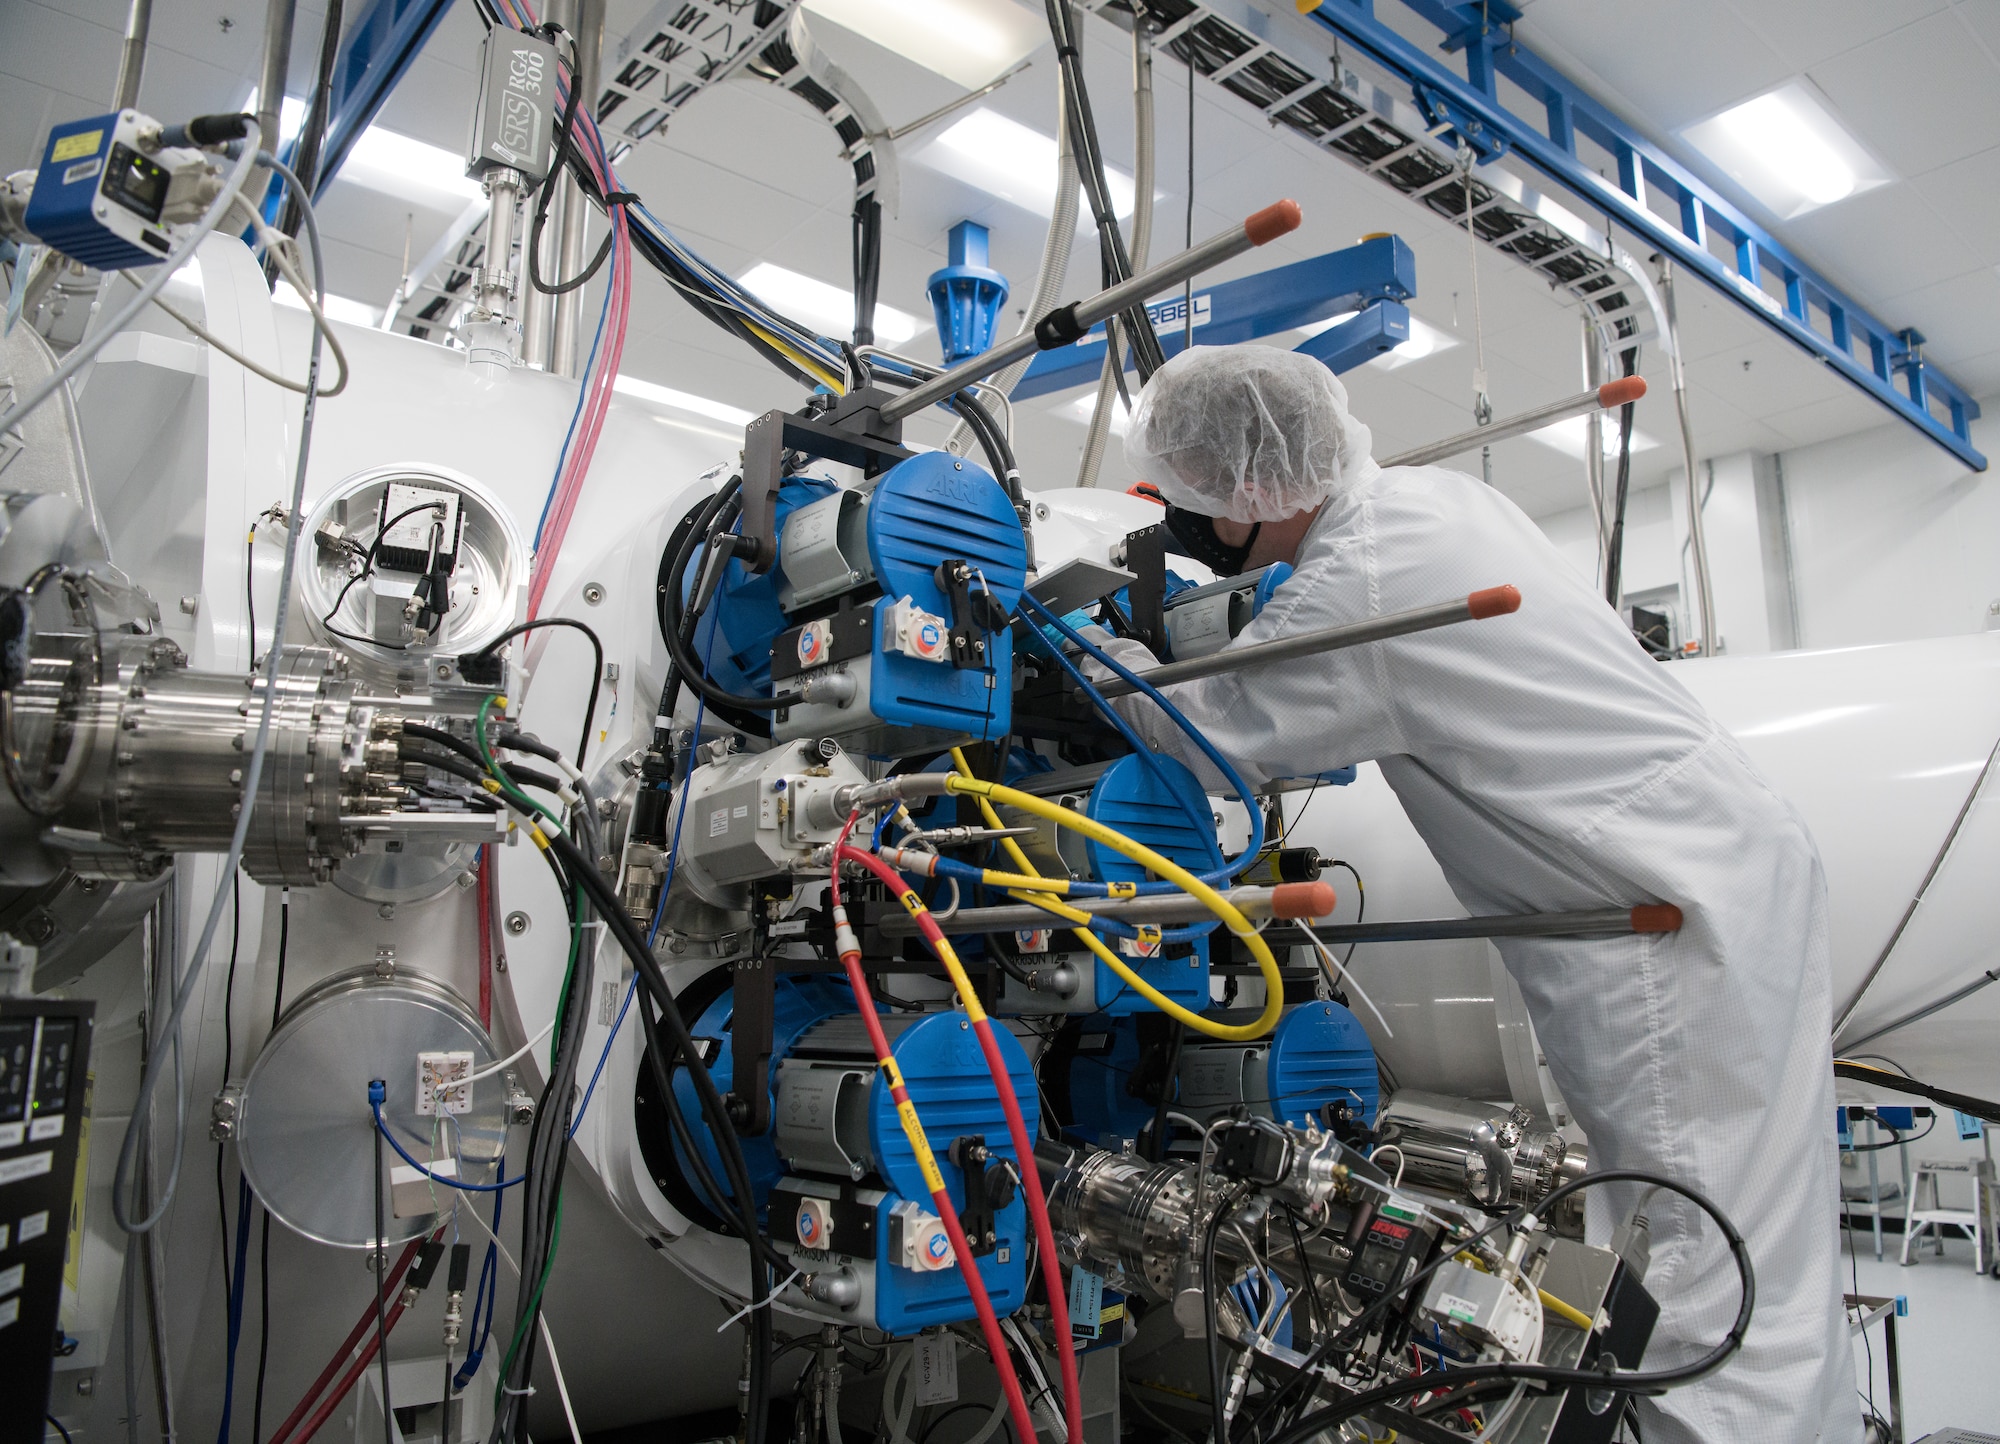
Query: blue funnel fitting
x: 966, y: 296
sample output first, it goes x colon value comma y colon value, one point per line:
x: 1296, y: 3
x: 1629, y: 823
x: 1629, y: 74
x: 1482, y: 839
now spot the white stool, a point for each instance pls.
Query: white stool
x: 1976, y: 1221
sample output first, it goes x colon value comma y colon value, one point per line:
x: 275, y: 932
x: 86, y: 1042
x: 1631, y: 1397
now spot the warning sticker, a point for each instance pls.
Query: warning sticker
x: 75, y: 147
x: 718, y: 822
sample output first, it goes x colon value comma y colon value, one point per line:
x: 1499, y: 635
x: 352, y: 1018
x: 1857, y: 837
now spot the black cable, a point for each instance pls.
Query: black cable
x: 1156, y: 1148
x: 368, y: 559
x: 1609, y: 1378
x: 721, y: 1125
x: 993, y: 441
x: 449, y: 740
x: 1614, y: 551
x: 60, y: 1430
x: 596, y: 675
x: 565, y: 150
x: 1360, y: 904
x: 867, y: 229
x: 457, y: 768
x: 673, y: 568
x: 1218, y: 1399
x: 1979, y: 1108
x: 264, y: 1246
x: 1115, y: 263
x: 306, y: 150
x: 382, y: 1297
x: 250, y: 591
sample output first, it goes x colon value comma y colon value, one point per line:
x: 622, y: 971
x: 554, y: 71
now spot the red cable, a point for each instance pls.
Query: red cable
x: 483, y: 899
x: 347, y: 1380
x: 1017, y: 1128
x: 982, y: 1303
x: 366, y: 1322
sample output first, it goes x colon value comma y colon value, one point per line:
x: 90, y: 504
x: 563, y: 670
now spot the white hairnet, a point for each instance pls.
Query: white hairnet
x: 1251, y: 433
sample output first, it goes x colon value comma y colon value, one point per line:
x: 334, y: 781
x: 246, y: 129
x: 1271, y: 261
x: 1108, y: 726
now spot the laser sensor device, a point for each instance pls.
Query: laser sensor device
x: 103, y: 197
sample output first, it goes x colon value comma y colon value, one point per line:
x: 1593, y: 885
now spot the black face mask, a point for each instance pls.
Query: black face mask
x: 1196, y: 533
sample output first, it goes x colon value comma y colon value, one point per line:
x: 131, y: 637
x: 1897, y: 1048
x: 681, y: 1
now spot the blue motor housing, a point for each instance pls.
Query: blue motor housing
x: 1318, y: 1054
x: 99, y: 196
x: 1155, y: 801
x: 836, y: 1138
x: 890, y: 604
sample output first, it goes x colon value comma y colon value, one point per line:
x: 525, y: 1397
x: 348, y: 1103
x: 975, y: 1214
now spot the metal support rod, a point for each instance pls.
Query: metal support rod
x: 1065, y: 325
x: 950, y: 107
x: 1594, y: 377
x: 1957, y: 995
x: 132, y: 61
x: 1286, y: 900
x: 496, y: 286
x: 1697, y: 544
x: 566, y: 347
x: 1595, y: 922
x: 1492, y: 602
x: 1603, y: 398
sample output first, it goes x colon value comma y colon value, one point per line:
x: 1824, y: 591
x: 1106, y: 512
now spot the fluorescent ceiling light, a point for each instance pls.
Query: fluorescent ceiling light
x: 337, y: 308
x: 1085, y: 406
x: 1012, y: 161
x: 1569, y: 436
x: 396, y: 165
x: 1425, y: 340
x: 830, y: 309
x: 1788, y: 151
x: 970, y: 42
x: 681, y: 400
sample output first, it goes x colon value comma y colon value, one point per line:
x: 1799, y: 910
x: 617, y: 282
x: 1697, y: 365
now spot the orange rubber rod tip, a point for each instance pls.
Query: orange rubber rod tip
x: 1656, y: 918
x: 1302, y: 900
x: 1278, y: 219
x: 1623, y: 391
x: 1493, y: 602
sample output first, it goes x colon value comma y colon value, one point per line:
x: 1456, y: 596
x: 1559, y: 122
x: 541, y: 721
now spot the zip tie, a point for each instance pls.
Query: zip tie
x: 749, y: 1308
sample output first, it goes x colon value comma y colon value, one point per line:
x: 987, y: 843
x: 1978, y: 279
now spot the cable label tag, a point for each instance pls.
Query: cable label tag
x: 1086, y: 1303
x: 936, y: 1369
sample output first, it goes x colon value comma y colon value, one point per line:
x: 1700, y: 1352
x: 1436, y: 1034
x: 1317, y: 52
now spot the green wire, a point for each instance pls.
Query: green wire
x: 508, y: 786
x: 534, y: 1303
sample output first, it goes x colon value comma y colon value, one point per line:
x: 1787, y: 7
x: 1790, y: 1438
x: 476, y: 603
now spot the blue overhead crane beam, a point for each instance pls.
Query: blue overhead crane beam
x: 1872, y: 355
x: 1373, y: 278
x: 377, y: 51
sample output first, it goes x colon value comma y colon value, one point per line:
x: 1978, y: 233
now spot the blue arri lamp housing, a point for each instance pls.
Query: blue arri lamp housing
x: 966, y: 295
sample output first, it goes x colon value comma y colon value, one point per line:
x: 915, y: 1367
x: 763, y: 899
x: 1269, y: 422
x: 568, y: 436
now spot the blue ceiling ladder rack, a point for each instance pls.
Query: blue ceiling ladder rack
x: 1263, y: 51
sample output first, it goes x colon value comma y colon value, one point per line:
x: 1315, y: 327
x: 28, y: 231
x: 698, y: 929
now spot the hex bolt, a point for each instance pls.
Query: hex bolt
x: 593, y: 593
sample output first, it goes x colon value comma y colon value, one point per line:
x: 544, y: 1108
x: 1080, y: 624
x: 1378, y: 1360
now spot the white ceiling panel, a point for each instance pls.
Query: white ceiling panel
x: 1920, y: 97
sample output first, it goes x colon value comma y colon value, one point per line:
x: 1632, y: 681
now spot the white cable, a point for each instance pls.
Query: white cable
x: 1326, y: 955
x: 1401, y: 1161
x: 149, y: 1080
x: 85, y: 350
x: 505, y: 1063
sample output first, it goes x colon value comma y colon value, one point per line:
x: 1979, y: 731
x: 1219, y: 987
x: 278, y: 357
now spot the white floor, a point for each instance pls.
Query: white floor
x: 1949, y: 1346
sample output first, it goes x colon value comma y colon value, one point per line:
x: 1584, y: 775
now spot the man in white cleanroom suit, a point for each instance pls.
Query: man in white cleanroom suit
x: 1551, y: 766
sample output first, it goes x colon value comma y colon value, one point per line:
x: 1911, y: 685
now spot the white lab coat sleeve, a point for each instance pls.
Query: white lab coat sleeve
x: 1279, y: 719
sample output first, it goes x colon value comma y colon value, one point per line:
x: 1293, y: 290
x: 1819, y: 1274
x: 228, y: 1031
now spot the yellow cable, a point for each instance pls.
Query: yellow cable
x: 1267, y: 964
x: 1565, y: 1312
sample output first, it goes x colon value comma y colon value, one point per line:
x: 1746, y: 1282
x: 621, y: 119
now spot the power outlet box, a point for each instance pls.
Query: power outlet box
x: 443, y: 1083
